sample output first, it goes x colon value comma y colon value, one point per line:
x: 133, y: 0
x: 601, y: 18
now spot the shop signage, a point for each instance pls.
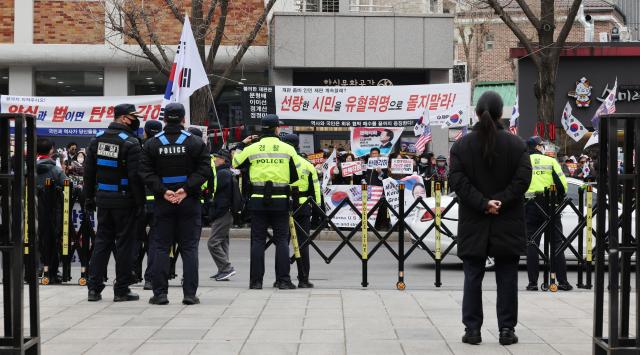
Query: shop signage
x: 626, y: 93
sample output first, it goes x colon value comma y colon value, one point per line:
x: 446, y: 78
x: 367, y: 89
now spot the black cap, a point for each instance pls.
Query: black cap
x: 224, y: 154
x: 291, y: 139
x: 534, y: 142
x: 270, y: 121
x: 152, y: 127
x: 125, y: 109
x: 195, y: 131
x: 174, y: 112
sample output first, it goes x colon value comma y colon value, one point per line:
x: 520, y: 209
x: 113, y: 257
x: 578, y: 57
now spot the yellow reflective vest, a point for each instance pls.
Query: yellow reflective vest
x: 268, y: 160
x: 308, y: 180
x: 543, y: 168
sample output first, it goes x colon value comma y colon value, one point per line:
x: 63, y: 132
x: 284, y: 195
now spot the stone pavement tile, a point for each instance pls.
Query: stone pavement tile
x: 162, y: 311
x: 453, y: 334
x: 124, y: 310
x: 218, y: 348
x: 531, y: 349
x: 272, y: 323
x: 410, y: 322
x: 47, y: 334
x: 542, y: 321
x: 324, y: 312
x: 553, y: 335
x: 115, y: 347
x: 105, y: 321
x: 325, y: 303
x: 165, y: 348
x: 237, y: 311
x: 371, y: 332
x: 371, y: 322
x: 274, y: 336
x: 230, y: 329
x: 423, y: 333
x: 288, y: 302
x: 82, y: 334
x: 525, y: 336
x: 322, y: 336
x: 67, y: 348
x: 421, y: 347
x: 373, y: 347
x: 191, y: 321
x: 322, y: 349
x: 284, y: 311
x: 147, y: 321
x: 323, y: 323
x: 263, y: 348
x: 482, y: 349
x: 210, y: 311
x: 62, y: 321
x: 131, y: 333
x: 573, y: 349
x: 179, y: 334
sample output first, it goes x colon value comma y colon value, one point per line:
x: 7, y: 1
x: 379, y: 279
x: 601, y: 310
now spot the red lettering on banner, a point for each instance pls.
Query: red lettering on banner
x: 285, y: 105
x: 97, y: 112
x: 59, y: 113
x: 447, y: 100
x: 351, y: 103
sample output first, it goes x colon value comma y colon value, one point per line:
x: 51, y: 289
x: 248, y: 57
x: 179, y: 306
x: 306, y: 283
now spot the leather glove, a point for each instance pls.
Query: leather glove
x: 90, y: 205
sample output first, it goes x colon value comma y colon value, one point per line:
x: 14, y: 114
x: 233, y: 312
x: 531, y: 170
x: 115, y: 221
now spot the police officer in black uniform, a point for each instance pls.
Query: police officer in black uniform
x: 174, y: 166
x: 112, y: 183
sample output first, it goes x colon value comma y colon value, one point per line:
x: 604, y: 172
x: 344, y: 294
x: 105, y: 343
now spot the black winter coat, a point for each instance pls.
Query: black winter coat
x: 476, y: 182
x: 223, y: 197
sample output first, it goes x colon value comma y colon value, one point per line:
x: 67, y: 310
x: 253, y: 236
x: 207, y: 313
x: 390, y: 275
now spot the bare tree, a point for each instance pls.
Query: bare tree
x: 472, y: 32
x: 141, y: 24
x: 545, y: 54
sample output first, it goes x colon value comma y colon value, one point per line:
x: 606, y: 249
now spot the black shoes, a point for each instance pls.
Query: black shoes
x: 190, y: 300
x: 472, y: 336
x: 94, y: 296
x: 305, y: 284
x: 508, y: 336
x: 565, y: 287
x: 532, y: 287
x: 255, y: 285
x: 159, y: 299
x: 285, y: 285
x: 127, y: 297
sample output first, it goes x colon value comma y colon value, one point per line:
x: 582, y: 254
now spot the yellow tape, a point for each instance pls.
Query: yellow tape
x: 65, y: 218
x: 589, y: 224
x: 432, y: 189
x: 446, y: 186
x: 26, y: 221
x: 294, y: 238
x: 365, y: 217
x: 438, y: 221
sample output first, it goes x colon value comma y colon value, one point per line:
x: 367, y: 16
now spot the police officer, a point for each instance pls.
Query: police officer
x: 546, y: 172
x: 174, y: 166
x: 112, y: 183
x: 271, y: 168
x: 308, y: 187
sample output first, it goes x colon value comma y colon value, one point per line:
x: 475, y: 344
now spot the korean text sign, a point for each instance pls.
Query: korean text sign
x: 351, y: 168
x: 401, y: 166
x: 382, y: 162
x: 317, y: 158
x: 77, y: 116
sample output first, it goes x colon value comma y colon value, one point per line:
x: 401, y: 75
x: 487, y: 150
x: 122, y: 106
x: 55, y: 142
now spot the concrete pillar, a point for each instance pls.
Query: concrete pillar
x: 23, y: 22
x: 440, y: 142
x: 116, y: 81
x: 21, y: 81
x: 343, y: 6
x: 281, y: 77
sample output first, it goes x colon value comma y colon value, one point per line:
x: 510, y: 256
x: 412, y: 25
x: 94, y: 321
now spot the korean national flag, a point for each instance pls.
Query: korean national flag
x: 574, y: 128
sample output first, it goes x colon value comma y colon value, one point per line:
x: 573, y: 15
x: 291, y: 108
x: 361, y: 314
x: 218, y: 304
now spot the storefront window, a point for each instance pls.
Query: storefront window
x: 69, y: 83
x: 147, y: 83
x: 4, y: 82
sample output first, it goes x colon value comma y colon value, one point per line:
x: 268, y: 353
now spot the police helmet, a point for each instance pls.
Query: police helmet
x: 174, y: 112
x: 291, y: 139
x: 270, y: 121
x: 195, y: 131
x: 534, y: 141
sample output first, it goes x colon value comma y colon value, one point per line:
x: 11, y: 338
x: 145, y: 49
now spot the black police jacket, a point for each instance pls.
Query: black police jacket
x: 114, y: 155
x: 175, y: 159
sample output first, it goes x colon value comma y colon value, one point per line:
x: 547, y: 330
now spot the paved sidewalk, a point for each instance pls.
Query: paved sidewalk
x: 234, y: 320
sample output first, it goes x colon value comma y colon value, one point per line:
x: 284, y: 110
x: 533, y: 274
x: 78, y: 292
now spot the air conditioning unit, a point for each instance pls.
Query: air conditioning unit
x: 604, y: 36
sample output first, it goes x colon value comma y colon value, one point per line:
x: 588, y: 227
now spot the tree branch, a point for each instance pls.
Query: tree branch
x: 154, y: 36
x: 217, y: 39
x: 530, y: 15
x: 135, y: 34
x: 212, y: 9
x: 566, y: 28
x: 175, y: 11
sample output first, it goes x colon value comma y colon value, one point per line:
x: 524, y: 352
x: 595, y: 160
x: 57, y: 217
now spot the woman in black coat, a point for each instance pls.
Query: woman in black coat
x: 490, y: 173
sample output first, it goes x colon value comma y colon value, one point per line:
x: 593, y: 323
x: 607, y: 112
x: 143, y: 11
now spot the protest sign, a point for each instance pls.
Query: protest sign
x: 572, y: 167
x: 77, y: 116
x: 316, y: 158
x: 363, y: 139
x: 414, y: 188
x: 381, y: 162
x: 306, y: 143
x: 401, y: 166
x: 346, y: 217
x: 408, y: 145
x: 351, y: 168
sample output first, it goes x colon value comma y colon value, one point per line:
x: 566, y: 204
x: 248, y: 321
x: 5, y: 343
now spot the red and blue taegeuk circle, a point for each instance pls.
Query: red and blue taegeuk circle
x: 574, y: 127
x: 454, y: 118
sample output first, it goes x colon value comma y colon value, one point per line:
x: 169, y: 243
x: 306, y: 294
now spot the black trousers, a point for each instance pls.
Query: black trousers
x: 303, y: 226
x: 507, y: 300
x: 181, y: 223
x: 535, y: 219
x: 144, y: 246
x: 260, y: 222
x: 114, y: 226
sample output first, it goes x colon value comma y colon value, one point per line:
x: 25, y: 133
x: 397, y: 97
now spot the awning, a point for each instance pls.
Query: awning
x: 506, y: 89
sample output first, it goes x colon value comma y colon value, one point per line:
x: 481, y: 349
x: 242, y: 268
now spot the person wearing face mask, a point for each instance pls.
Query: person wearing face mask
x: 112, y: 184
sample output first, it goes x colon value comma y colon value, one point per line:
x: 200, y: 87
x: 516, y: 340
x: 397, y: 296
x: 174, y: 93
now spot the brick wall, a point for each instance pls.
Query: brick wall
x: 496, y: 65
x: 241, y: 18
x: 6, y: 21
x: 69, y: 22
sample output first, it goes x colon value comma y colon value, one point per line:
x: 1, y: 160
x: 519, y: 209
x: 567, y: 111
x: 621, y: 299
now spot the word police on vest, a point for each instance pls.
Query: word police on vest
x: 108, y: 150
x: 172, y: 150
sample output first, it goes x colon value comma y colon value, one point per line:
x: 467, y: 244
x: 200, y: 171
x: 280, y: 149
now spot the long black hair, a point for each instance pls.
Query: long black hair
x: 489, y: 112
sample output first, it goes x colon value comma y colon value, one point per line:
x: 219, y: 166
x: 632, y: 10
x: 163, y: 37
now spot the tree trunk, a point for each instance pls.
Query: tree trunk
x: 200, y: 103
x: 545, y: 91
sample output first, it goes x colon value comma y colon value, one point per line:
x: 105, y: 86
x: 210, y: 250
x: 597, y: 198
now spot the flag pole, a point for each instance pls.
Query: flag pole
x: 215, y: 112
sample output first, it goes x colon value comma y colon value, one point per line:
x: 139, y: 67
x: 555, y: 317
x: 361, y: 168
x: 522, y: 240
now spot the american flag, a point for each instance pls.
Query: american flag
x: 461, y: 133
x: 426, y: 135
x: 513, y: 122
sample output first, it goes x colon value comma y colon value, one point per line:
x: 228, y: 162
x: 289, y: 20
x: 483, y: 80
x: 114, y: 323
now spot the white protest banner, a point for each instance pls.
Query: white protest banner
x: 346, y: 217
x: 414, y: 188
x: 77, y: 116
x: 401, y: 166
x: 327, y: 169
x: 363, y: 139
x: 351, y: 168
x: 381, y: 162
x: 357, y: 106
